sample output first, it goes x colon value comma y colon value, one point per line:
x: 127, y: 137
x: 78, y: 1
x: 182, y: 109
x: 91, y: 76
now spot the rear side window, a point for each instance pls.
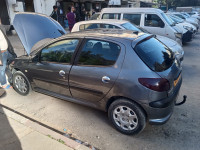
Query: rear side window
x: 89, y: 26
x: 99, y: 53
x: 109, y: 26
x: 155, y: 55
x: 111, y: 16
x: 133, y: 18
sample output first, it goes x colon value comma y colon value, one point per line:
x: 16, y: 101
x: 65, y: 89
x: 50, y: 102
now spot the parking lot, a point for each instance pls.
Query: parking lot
x: 180, y: 132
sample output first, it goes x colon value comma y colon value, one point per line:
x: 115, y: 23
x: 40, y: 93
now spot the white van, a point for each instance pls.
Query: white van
x: 153, y: 20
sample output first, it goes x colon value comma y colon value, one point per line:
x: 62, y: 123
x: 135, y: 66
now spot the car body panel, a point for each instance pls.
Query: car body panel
x: 33, y: 27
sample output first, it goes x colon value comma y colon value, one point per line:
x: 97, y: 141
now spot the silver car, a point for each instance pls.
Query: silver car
x: 130, y: 75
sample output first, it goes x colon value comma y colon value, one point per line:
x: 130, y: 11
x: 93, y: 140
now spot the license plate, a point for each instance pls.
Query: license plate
x: 176, y: 81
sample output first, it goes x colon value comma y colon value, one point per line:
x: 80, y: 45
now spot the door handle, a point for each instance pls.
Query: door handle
x: 61, y: 73
x: 105, y: 79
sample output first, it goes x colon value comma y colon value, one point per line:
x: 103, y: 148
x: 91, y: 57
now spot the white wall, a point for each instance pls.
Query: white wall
x: 14, y: 7
x: 44, y: 6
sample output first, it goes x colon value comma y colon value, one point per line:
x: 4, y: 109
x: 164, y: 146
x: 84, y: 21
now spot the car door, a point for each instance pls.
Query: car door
x: 96, y: 69
x: 154, y: 24
x: 50, y: 73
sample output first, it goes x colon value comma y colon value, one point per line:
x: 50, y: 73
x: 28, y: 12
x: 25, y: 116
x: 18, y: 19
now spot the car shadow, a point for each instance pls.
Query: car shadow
x: 8, y: 137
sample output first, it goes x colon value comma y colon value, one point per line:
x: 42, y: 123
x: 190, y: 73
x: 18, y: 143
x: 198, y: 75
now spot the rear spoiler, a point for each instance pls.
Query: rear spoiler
x: 141, y: 39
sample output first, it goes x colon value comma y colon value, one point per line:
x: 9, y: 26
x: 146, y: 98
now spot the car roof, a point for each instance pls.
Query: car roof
x: 107, y: 33
x: 107, y: 21
x: 129, y: 10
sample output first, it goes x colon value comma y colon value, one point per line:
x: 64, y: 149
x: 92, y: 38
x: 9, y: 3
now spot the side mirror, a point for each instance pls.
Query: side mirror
x: 34, y: 59
x: 162, y: 24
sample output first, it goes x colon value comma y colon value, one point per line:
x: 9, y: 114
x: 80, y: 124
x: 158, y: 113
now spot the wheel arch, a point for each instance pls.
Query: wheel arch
x: 115, y: 98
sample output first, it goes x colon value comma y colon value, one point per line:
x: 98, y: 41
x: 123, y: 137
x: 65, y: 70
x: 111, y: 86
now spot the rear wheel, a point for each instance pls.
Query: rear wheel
x: 21, y: 83
x: 127, y: 117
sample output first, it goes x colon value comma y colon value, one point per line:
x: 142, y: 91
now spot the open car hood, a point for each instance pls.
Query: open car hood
x: 33, y: 27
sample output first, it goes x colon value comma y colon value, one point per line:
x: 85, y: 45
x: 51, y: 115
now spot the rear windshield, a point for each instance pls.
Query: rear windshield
x: 155, y: 55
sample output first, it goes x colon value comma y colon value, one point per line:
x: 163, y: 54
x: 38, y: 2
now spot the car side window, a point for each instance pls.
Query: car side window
x: 133, y: 18
x: 99, y: 53
x: 59, y: 52
x: 89, y: 26
x: 111, y: 16
x: 109, y: 26
x: 153, y: 20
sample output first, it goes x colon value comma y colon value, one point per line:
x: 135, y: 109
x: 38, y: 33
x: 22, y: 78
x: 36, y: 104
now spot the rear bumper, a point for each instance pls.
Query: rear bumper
x: 160, y: 111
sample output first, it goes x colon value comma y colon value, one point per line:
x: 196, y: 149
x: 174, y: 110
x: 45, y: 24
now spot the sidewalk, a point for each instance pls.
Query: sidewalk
x: 19, y: 133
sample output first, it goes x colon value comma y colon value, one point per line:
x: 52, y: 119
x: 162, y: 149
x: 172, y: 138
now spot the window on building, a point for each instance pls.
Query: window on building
x: 153, y: 20
x: 133, y: 18
x: 99, y: 53
x: 111, y: 16
x: 59, y: 52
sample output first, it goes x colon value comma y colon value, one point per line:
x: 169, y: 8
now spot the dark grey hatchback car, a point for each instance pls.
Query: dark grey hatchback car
x: 132, y: 76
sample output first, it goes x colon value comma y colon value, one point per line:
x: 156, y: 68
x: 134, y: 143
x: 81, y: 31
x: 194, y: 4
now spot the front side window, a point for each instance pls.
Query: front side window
x: 109, y: 26
x: 59, y: 52
x: 99, y: 53
x: 133, y: 18
x: 111, y: 16
x: 153, y: 20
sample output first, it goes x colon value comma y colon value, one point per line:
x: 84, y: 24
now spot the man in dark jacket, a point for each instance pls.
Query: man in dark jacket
x: 54, y: 13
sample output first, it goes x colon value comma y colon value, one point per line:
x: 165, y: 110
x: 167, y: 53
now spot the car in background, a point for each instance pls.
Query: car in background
x: 126, y: 25
x: 193, y: 21
x: 195, y: 14
x: 185, y: 24
x: 132, y: 76
x: 153, y: 20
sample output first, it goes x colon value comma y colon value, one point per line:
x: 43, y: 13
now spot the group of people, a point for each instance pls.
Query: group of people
x: 7, y: 55
x: 72, y: 16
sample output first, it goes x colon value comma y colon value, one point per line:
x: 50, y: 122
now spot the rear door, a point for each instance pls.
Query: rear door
x: 97, y: 66
x: 51, y: 72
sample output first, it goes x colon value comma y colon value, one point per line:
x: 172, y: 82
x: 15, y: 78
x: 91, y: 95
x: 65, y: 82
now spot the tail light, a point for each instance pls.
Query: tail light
x: 155, y: 84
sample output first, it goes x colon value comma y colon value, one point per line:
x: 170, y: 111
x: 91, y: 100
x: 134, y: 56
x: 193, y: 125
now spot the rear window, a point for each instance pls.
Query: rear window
x: 155, y: 54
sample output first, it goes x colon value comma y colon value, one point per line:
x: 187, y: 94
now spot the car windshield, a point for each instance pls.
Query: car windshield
x: 174, y: 19
x: 177, y: 18
x: 167, y: 19
x: 181, y: 16
x: 94, y: 17
x: 155, y: 55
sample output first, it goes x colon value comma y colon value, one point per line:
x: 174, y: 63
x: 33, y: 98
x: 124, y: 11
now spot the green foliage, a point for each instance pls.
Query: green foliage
x: 179, y: 3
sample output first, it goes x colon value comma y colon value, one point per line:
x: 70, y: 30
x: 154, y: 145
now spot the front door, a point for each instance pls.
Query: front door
x: 51, y: 72
x: 96, y: 69
x: 154, y: 24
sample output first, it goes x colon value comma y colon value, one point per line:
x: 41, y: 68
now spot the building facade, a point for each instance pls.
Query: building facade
x: 8, y: 8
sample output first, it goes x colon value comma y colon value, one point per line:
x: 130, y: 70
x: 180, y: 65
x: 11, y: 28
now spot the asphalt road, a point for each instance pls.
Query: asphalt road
x: 182, y: 131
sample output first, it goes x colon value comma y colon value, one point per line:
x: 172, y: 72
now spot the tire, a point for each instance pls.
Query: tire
x: 127, y: 117
x: 21, y: 83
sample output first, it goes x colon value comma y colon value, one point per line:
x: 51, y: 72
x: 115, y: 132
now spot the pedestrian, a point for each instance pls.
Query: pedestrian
x: 54, y: 13
x: 60, y: 14
x: 83, y: 14
x: 71, y: 18
x: 7, y: 56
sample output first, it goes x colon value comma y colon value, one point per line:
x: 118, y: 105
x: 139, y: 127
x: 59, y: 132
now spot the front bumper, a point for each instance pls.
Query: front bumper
x: 160, y: 111
x: 187, y: 37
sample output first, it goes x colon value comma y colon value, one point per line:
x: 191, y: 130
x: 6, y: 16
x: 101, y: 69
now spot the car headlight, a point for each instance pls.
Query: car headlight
x: 178, y: 35
x: 187, y: 28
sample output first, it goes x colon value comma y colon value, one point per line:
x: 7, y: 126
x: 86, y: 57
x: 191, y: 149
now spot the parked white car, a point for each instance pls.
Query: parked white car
x: 153, y: 20
x: 126, y: 25
x: 195, y: 14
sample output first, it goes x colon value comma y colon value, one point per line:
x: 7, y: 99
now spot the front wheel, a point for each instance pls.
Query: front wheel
x: 127, y: 117
x: 21, y: 83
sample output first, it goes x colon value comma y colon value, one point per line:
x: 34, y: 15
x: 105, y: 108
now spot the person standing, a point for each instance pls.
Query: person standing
x: 71, y: 18
x: 54, y: 13
x: 5, y: 55
x: 83, y: 14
